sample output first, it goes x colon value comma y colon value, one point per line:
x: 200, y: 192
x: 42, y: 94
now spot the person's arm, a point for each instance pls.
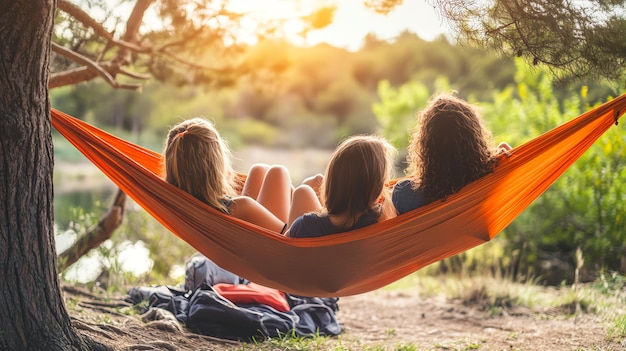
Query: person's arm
x: 248, y: 209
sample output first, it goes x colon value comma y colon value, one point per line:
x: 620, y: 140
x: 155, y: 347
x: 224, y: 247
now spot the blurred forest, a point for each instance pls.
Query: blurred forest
x: 312, y: 97
x: 298, y: 96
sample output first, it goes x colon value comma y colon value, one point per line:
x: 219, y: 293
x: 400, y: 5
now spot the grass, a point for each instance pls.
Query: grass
x: 603, y: 298
x: 617, y: 331
x: 472, y: 289
x: 287, y: 343
x: 292, y: 343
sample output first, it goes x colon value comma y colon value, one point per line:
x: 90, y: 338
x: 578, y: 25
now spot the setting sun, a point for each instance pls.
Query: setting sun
x: 351, y: 21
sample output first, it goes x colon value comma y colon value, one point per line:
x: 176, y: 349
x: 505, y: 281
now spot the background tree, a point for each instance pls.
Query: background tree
x: 184, y: 41
x: 305, y: 91
x: 573, y: 38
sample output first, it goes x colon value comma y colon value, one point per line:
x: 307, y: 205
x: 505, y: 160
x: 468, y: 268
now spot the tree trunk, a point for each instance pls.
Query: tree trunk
x: 32, y: 311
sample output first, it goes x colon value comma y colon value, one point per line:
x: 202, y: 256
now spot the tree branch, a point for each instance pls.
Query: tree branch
x: 90, y: 65
x: 80, y: 59
x: 107, y: 70
x: 77, y: 75
x: 134, y: 75
x: 191, y: 64
x: 132, y: 25
x: 96, y: 236
x: 84, y: 18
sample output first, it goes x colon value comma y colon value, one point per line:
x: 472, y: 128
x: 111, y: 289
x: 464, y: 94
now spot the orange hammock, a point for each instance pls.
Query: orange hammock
x: 358, y: 261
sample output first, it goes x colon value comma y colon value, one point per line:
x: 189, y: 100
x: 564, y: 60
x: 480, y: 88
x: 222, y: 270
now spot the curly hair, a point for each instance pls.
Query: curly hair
x: 198, y: 161
x: 449, y: 148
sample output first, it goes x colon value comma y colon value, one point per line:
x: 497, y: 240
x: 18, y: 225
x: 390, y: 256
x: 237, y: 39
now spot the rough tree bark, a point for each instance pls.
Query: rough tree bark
x: 32, y: 312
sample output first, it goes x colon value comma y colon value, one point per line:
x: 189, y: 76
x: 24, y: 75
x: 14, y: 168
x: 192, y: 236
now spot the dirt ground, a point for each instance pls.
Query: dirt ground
x: 378, y: 320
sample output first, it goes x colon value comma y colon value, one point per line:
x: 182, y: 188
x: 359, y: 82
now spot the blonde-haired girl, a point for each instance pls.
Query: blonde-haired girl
x: 198, y: 161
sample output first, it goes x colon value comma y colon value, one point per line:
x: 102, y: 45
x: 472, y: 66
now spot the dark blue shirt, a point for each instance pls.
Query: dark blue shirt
x: 406, y: 199
x: 312, y: 225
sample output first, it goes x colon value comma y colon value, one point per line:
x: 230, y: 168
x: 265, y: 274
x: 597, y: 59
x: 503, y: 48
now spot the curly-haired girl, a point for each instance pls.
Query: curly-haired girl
x: 449, y: 148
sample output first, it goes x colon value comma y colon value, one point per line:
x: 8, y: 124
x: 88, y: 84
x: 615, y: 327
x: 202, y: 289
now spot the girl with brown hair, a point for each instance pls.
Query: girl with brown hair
x: 350, y: 191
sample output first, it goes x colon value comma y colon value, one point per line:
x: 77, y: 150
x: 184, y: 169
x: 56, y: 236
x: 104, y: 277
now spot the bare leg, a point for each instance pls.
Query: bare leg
x: 304, y: 200
x: 314, y: 182
x: 254, y: 180
x: 275, y: 192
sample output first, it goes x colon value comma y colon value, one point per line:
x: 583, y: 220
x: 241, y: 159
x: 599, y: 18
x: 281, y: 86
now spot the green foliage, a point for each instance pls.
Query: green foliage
x: 618, y: 330
x: 584, y: 207
x: 248, y: 131
x: 304, y: 92
x: 139, y: 241
x: 76, y: 218
x: 396, y: 110
x: 288, y: 342
x: 610, y: 284
x: 569, y: 38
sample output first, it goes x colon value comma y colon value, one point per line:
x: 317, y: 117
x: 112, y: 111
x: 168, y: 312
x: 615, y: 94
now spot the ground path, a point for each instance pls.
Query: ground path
x: 381, y: 320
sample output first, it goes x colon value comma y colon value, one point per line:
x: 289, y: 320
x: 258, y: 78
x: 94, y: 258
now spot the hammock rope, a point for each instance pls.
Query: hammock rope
x: 358, y: 261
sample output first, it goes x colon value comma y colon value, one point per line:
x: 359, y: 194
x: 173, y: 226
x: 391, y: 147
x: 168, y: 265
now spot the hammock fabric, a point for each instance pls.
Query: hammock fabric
x: 358, y: 261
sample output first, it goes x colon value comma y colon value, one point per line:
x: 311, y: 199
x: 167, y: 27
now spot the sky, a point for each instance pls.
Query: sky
x: 352, y: 21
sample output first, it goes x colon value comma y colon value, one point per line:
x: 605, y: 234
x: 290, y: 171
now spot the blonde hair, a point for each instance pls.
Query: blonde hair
x: 198, y: 161
x: 449, y: 148
x: 356, y: 176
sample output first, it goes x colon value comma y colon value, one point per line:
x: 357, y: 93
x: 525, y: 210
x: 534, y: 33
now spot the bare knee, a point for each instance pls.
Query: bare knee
x: 255, y: 178
x: 303, y: 191
x: 259, y: 169
x: 278, y: 172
